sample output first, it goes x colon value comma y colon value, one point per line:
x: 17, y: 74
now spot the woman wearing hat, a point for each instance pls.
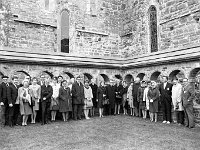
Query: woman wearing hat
x: 153, y: 96
x: 35, y: 95
x: 25, y: 101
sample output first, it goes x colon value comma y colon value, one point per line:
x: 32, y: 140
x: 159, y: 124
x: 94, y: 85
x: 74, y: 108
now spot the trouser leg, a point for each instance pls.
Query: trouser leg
x: 80, y: 109
x: 48, y: 112
x: 186, y: 117
x: 168, y: 111
x: 75, y: 111
x: 164, y: 110
x: 17, y: 116
x: 190, y: 114
x: 43, y: 111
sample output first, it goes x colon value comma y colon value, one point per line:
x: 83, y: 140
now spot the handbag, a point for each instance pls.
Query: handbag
x: 106, y: 102
x: 88, y: 103
x: 118, y: 95
x: 55, y: 105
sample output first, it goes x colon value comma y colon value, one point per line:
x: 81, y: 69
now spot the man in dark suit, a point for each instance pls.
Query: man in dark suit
x: 78, y: 98
x: 110, y: 93
x: 46, y: 94
x: 188, y: 98
x: 165, y: 89
x: 13, y: 102
x: 94, y: 92
x: 4, y: 101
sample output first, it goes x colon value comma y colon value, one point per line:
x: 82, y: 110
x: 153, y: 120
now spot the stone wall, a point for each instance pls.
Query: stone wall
x: 94, y: 26
x: 180, y: 26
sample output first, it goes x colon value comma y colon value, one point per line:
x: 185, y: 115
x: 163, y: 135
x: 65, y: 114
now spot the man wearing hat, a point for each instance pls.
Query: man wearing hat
x: 3, y: 100
x: 78, y: 98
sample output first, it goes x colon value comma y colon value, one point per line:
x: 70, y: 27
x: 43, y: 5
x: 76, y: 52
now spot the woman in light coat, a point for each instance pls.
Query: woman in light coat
x: 24, y: 94
x: 130, y: 97
x: 35, y: 95
x: 88, y: 99
x: 177, y: 101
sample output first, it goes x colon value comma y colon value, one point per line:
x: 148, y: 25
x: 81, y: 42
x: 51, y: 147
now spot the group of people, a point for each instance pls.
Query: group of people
x: 46, y: 97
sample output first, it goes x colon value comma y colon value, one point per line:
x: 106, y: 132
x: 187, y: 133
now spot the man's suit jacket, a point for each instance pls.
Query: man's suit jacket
x: 78, y: 93
x: 12, y: 93
x: 47, y: 92
x: 3, y: 93
x: 166, y: 94
x: 188, y: 95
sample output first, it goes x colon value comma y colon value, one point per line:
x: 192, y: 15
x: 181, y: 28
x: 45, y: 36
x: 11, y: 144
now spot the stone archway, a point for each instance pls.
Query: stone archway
x: 102, y: 77
x: 1, y: 75
x: 141, y: 76
x: 118, y: 76
x: 48, y: 74
x: 21, y: 74
x: 155, y: 76
x: 129, y: 78
x: 68, y: 75
x: 87, y: 76
x: 176, y: 73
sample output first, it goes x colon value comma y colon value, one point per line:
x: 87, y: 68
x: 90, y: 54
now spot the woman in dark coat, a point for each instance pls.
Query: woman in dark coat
x: 118, y: 96
x: 153, y: 96
x: 101, y: 96
x: 65, y: 100
x: 94, y: 92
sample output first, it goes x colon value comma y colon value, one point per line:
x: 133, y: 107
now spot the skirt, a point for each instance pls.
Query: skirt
x: 36, y: 107
x: 27, y: 109
x: 153, y: 106
x: 131, y: 103
x: 124, y: 99
x: 118, y: 101
x: 142, y: 105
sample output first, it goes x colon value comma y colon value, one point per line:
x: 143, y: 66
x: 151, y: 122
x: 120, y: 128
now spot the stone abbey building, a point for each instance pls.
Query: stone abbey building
x: 101, y: 39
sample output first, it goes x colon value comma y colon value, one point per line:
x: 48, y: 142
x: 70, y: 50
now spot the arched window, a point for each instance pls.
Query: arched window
x: 153, y: 29
x: 65, y: 31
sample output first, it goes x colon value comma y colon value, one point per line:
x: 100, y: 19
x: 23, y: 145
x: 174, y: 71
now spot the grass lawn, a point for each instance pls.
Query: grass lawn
x: 109, y: 133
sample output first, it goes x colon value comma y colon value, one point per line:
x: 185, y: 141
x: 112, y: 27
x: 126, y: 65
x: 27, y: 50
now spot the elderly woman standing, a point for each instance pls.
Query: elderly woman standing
x: 130, y: 97
x: 65, y: 100
x: 24, y: 94
x: 54, y: 100
x: 88, y: 99
x: 153, y: 96
x: 35, y: 95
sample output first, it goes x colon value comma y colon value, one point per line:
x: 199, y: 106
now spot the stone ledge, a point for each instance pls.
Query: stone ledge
x: 58, y: 58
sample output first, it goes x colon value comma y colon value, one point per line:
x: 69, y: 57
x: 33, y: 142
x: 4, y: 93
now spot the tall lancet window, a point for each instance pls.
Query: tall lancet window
x: 65, y: 31
x: 153, y: 29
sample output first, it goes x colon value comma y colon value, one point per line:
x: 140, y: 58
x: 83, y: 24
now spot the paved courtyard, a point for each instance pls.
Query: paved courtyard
x: 109, y: 133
